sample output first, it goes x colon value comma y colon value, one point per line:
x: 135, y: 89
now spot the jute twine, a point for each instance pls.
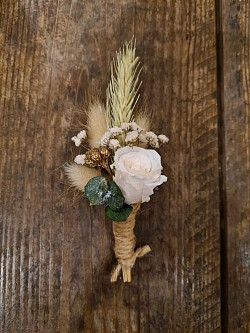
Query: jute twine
x: 125, y: 245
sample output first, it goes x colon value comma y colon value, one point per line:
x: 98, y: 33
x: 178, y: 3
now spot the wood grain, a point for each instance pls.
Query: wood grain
x: 56, y: 256
x: 235, y: 27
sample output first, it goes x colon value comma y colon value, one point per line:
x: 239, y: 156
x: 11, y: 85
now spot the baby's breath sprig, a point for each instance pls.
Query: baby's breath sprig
x: 79, y: 137
x: 131, y: 134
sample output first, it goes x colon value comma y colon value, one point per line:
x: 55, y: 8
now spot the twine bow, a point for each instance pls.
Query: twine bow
x: 124, y: 247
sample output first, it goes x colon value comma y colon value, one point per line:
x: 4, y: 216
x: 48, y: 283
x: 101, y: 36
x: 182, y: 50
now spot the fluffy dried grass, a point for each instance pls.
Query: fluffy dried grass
x: 143, y: 121
x: 79, y: 175
x: 96, y: 124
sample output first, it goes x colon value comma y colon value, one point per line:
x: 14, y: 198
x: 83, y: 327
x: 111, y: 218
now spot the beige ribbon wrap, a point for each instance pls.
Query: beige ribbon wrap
x: 125, y: 246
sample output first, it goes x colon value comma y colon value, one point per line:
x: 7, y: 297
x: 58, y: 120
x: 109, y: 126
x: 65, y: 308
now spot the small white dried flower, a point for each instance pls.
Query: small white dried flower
x: 116, y: 130
x: 114, y: 144
x: 152, y: 139
x: 105, y: 139
x: 143, y: 138
x: 125, y: 126
x: 76, y: 140
x: 154, y: 144
x: 82, y: 135
x: 151, y: 135
x: 80, y: 159
x: 131, y: 136
x: 134, y: 126
x: 163, y: 138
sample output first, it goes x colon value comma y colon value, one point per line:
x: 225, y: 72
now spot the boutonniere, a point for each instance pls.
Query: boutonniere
x: 121, y: 167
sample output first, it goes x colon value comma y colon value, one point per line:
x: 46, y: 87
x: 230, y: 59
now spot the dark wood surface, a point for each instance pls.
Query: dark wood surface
x: 56, y: 252
x: 236, y: 161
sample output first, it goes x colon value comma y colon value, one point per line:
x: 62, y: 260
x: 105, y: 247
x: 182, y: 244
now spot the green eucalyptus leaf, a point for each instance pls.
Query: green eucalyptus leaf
x: 118, y: 215
x: 96, y: 190
x: 116, y: 198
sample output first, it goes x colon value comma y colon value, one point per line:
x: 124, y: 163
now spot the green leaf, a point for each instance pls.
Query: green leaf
x: 96, y: 190
x: 118, y: 215
x: 116, y: 198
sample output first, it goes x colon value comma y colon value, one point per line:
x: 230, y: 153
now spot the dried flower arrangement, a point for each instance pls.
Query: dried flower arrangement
x: 121, y: 168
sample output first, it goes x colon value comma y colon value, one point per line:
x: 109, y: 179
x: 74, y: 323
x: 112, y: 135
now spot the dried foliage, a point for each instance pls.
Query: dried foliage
x: 96, y: 124
x: 79, y: 175
x: 143, y: 120
x: 122, y: 91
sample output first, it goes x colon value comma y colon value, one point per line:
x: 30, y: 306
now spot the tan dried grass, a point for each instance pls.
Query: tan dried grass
x: 143, y: 121
x: 122, y: 91
x: 79, y: 175
x: 96, y: 124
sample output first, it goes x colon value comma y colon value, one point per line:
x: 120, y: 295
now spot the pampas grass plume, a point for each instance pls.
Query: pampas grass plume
x: 79, y: 175
x: 96, y: 124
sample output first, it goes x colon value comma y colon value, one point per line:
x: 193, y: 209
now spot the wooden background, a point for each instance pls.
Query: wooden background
x: 55, y: 256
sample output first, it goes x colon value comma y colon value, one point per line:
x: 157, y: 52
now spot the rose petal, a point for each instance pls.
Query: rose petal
x: 149, y: 188
x: 131, y: 187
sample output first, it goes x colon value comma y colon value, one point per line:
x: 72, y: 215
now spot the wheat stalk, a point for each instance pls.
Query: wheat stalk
x: 122, y: 91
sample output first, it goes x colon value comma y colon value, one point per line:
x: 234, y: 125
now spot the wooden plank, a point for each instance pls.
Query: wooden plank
x: 56, y: 256
x: 235, y: 27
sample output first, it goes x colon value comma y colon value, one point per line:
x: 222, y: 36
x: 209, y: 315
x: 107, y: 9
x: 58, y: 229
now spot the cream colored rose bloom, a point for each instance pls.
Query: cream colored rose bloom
x: 137, y: 173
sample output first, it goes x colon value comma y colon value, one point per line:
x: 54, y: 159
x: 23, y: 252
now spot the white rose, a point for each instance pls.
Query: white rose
x: 137, y: 173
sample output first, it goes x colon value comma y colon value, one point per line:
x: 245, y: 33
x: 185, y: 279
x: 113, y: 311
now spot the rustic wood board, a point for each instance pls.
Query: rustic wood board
x: 235, y: 25
x: 56, y: 256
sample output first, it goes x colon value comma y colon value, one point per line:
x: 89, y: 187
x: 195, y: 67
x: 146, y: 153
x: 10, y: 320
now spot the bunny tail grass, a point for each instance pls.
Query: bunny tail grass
x: 143, y: 121
x: 96, y: 124
x: 79, y: 175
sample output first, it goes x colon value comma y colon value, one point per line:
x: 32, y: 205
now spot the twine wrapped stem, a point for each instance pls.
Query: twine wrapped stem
x: 125, y: 246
